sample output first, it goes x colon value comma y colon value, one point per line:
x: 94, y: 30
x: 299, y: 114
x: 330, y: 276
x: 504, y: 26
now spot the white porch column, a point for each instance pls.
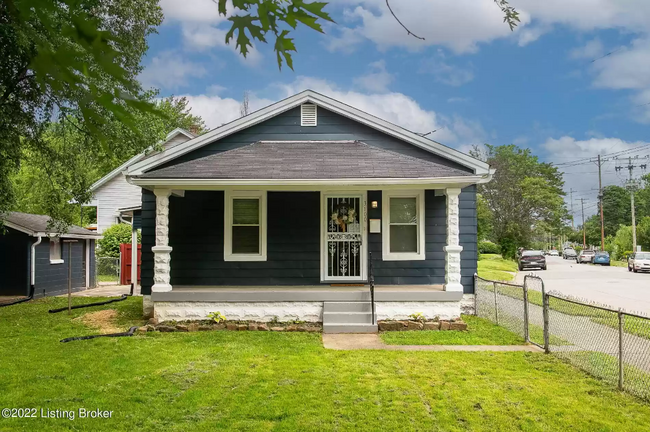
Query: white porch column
x: 453, y: 247
x: 162, y: 250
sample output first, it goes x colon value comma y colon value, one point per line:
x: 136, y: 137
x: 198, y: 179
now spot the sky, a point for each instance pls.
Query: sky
x: 571, y: 82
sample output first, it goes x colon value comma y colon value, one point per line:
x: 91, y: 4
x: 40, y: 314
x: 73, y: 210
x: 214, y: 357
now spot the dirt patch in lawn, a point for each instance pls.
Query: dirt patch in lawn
x: 103, y: 320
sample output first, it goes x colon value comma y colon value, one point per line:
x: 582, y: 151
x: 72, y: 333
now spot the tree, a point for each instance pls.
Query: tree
x: 643, y: 233
x: 63, y: 170
x: 113, y: 236
x: 73, y: 61
x: 244, y: 110
x: 523, y: 194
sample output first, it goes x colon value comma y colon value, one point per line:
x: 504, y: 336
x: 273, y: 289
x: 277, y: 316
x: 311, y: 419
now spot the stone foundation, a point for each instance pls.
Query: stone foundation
x: 257, y: 312
x: 299, y: 311
x: 468, y: 305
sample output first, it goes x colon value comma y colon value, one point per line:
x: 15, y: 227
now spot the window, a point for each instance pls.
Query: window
x: 403, y: 225
x: 245, y: 226
x: 55, y: 251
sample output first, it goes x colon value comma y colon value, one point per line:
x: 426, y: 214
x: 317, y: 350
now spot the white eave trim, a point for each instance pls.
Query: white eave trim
x: 309, y: 96
x: 135, y: 159
x: 433, y: 181
x: 44, y: 234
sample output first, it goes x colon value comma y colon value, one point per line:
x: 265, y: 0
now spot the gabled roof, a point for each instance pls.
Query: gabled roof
x: 308, y: 96
x: 318, y: 160
x: 34, y: 225
x: 136, y: 158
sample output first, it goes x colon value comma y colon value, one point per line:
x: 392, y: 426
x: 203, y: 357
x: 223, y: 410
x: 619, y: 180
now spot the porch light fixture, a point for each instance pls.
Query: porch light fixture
x: 374, y: 204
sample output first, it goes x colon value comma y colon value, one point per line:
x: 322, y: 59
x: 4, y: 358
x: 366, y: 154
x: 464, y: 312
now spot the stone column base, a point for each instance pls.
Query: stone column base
x: 161, y: 268
x: 147, y: 307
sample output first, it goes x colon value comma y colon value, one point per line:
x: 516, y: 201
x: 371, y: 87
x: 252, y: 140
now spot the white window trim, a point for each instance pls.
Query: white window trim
x: 58, y: 241
x: 227, y: 243
x: 387, y: 255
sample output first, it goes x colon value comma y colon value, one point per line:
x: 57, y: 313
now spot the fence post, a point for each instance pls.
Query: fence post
x: 496, y: 304
x: 621, y: 323
x: 475, y: 294
x: 545, y: 312
x: 526, y: 335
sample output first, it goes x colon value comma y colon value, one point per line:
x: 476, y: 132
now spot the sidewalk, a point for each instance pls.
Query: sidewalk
x: 106, y: 291
x: 373, y: 342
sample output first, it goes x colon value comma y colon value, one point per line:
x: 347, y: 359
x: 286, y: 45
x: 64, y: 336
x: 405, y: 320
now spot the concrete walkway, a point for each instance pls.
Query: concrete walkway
x: 348, y: 342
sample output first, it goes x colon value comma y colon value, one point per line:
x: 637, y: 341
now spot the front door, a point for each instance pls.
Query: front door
x: 344, y: 244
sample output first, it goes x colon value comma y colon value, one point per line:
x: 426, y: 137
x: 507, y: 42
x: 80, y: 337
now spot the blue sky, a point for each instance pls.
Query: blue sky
x: 472, y: 79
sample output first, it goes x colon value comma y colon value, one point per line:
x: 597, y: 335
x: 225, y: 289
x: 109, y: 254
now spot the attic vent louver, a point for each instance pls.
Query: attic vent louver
x: 308, y: 115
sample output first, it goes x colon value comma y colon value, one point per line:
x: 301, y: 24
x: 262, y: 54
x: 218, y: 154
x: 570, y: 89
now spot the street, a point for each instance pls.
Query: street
x: 611, y: 286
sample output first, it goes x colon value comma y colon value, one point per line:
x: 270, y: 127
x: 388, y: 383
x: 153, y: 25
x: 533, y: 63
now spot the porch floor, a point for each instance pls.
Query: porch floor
x: 205, y: 293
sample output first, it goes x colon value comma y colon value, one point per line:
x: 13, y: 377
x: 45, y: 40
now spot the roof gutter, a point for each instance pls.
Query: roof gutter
x: 180, y: 183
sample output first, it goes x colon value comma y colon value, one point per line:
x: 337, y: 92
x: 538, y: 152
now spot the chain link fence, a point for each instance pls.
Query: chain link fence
x: 610, y: 344
x: 108, y: 270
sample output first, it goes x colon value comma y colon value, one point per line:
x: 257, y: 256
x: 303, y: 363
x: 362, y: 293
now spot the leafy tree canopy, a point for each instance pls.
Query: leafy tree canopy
x: 523, y: 194
x: 109, y: 245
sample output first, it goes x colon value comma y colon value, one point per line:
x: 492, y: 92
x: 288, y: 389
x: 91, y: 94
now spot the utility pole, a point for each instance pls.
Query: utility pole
x: 632, y: 186
x: 584, y: 233
x: 572, y: 215
x: 600, y: 198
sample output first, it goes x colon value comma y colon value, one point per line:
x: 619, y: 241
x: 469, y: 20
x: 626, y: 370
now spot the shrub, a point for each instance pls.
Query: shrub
x: 487, y: 247
x: 217, y: 317
x: 115, y: 235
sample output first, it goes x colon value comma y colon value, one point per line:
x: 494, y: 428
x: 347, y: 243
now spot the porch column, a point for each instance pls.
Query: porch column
x: 453, y: 247
x: 162, y: 250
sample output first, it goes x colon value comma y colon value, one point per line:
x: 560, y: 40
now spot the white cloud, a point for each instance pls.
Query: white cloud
x: 216, y: 110
x: 205, y: 11
x: 592, y: 50
x: 391, y: 106
x: 446, y: 73
x: 376, y: 81
x: 170, y: 70
x: 458, y: 99
x: 461, y: 25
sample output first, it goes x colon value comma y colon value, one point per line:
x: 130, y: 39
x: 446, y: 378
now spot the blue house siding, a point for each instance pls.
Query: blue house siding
x: 432, y: 269
x: 196, y: 236
x: 331, y: 126
x: 14, y: 263
x: 52, y: 279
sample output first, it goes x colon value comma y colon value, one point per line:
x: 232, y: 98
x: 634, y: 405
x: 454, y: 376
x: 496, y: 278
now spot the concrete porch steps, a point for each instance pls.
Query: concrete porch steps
x: 348, y: 317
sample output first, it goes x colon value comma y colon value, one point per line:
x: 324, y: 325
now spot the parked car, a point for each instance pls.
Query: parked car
x: 569, y: 253
x: 602, y: 258
x: 532, y: 259
x: 553, y: 253
x: 638, y: 261
x: 586, y: 256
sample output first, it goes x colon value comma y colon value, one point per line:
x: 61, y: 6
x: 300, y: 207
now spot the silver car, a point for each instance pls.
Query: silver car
x: 639, y: 261
x: 586, y: 256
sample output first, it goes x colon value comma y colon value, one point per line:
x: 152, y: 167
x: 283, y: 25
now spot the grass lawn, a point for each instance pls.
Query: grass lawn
x: 250, y: 381
x: 479, y: 332
x: 494, y: 267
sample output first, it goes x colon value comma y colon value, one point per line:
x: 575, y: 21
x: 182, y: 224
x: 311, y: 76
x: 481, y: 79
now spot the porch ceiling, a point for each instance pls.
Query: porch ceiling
x: 307, y: 160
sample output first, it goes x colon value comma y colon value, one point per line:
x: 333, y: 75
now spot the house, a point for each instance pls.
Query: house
x: 274, y: 216
x: 34, y: 256
x: 115, y: 199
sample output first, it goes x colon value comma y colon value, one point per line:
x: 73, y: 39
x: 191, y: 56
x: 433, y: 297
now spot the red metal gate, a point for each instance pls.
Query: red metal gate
x: 125, y: 263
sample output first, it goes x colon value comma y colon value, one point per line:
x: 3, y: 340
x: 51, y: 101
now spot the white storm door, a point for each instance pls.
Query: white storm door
x: 344, y: 245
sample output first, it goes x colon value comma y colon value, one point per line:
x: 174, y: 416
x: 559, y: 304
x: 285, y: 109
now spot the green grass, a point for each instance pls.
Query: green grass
x: 479, y: 332
x: 108, y: 278
x: 261, y: 381
x: 494, y: 267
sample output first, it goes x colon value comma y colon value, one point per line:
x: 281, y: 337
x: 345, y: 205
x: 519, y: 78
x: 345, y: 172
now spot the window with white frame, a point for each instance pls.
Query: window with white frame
x: 403, y: 225
x: 245, y: 226
x: 55, y: 251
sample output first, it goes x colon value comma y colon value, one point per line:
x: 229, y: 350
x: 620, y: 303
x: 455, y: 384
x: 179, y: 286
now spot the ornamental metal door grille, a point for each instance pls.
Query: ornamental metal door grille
x: 344, y: 237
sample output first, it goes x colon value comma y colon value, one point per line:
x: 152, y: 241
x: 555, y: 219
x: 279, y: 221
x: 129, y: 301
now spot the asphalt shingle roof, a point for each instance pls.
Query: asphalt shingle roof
x: 38, y: 223
x: 306, y: 160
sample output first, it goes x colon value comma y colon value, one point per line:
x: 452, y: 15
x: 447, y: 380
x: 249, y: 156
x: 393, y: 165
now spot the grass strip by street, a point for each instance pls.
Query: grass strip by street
x: 494, y: 267
x: 260, y: 381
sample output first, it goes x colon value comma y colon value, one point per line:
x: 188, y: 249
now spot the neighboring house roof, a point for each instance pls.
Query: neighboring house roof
x: 308, y: 96
x: 136, y: 158
x: 307, y: 160
x: 36, y: 225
